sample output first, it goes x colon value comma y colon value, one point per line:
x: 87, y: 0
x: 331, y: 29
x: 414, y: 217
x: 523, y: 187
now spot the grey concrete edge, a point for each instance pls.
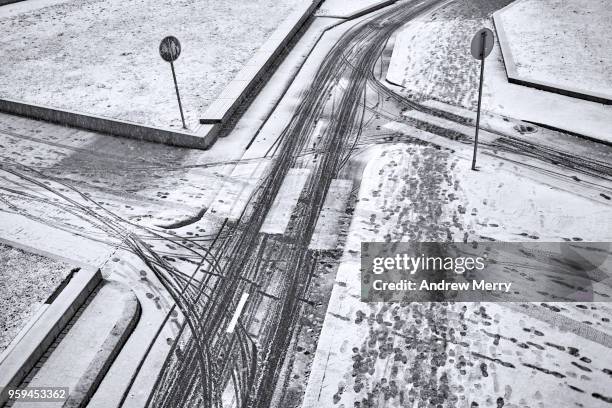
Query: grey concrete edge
x: 39, y: 333
x: 258, y: 66
x: 515, y: 78
x: 108, y: 126
x: 99, y: 366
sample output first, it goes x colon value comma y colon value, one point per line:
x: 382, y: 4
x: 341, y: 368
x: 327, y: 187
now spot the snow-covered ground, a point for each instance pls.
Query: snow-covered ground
x: 431, y: 56
x: 343, y: 8
x: 431, y: 60
x: 101, y: 56
x: 530, y: 104
x: 26, y: 281
x: 563, y: 43
x: 406, y: 353
x: 472, y: 354
x: 147, y: 184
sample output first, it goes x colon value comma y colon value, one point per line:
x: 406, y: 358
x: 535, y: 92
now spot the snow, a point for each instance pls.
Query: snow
x: 149, y: 184
x: 144, y: 183
x: 96, y: 333
x: 286, y: 199
x: 431, y: 56
x: 235, y: 193
x: 503, y: 201
x: 325, y: 234
x: 575, y: 115
x: 431, y: 60
x: 101, y: 57
x: 21, y: 293
x: 565, y: 44
x: 344, y: 8
x: 25, y: 231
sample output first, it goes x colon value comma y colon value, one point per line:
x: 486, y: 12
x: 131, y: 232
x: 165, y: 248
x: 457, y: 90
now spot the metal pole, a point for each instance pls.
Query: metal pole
x: 178, y: 96
x: 482, y: 55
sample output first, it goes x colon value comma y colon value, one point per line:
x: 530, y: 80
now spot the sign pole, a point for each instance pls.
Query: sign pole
x: 482, y: 64
x: 481, y: 47
x: 169, y: 50
x: 178, y: 96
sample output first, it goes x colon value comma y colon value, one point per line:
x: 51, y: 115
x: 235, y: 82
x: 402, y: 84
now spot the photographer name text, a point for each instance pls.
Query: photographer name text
x: 424, y: 285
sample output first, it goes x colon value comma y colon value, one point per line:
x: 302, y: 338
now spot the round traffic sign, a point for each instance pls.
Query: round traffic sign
x: 482, y: 37
x: 170, y: 48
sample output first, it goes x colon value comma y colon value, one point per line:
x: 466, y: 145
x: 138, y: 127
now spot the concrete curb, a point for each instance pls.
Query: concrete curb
x: 109, y: 350
x: 114, y: 127
x: 515, y: 78
x: 35, y: 338
x: 248, y: 77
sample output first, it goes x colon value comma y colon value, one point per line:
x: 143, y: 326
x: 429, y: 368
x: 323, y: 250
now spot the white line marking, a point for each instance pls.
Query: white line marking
x: 327, y: 229
x: 232, y: 323
x: 285, y: 201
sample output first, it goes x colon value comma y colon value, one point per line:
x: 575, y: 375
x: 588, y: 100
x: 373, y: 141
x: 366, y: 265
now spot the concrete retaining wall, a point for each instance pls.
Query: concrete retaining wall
x: 109, y: 126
